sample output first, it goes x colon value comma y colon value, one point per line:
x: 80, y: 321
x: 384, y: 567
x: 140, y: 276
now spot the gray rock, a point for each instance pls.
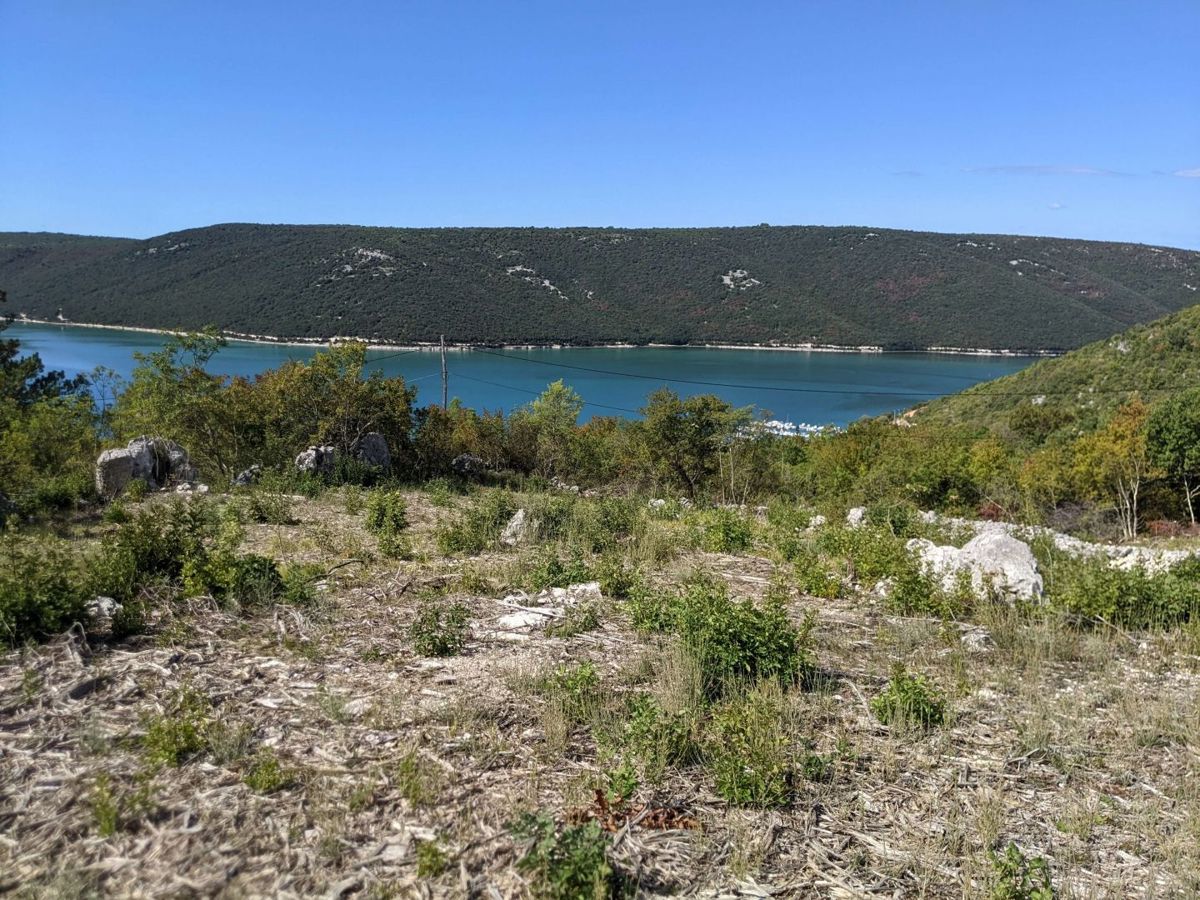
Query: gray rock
x: 248, y: 476
x: 516, y: 529
x: 114, y: 471
x: 102, y: 609
x: 372, y: 450
x: 817, y: 521
x: 856, y: 516
x: 657, y: 503
x: 468, y: 465
x: 318, y: 460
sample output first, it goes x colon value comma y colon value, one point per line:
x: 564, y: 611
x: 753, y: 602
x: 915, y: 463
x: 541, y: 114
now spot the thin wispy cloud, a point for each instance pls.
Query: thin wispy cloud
x: 1188, y: 173
x: 1041, y: 170
x: 908, y: 173
x: 1057, y: 205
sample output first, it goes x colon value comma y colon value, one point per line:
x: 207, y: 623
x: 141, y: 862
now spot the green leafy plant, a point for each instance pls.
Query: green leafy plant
x: 265, y: 774
x: 567, y: 862
x: 431, y: 859
x: 737, y: 640
x: 726, y: 531
x: 909, y: 700
x: 417, y: 779
x: 440, y: 628
x: 386, y: 518
x: 181, y: 732
x: 1017, y: 877
x: 40, y: 591
x: 479, y: 526
x: 748, y: 749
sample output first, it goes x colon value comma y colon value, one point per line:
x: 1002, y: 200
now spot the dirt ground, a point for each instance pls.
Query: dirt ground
x: 1082, y: 747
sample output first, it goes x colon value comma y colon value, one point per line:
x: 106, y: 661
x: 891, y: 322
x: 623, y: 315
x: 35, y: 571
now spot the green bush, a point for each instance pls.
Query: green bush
x: 574, y: 688
x: 387, y: 512
x: 617, y: 579
x: 567, y: 862
x: 659, y: 738
x: 1130, y: 598
x: 550, y: 571
x: 872, y: 552
x: 1016, y: 877
x: 440, y: 628
x: 181, y: 732
x: 650, y: 609
x: 431, y: 859
x: 480, y: 525
x: 41, y: 592
x: 269, y: 507
x: 597, y: 526
x: 726, y: 531
x: 738, y: 641
x: 265, y: 774
x: 909, y: 700
x: 748, y: 749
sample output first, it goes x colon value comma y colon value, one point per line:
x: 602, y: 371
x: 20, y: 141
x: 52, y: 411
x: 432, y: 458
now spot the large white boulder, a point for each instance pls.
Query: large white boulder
x: 992, y: 559
x: 318, y: 460
x: 372, y: 450
x: 114, y: 471
x: 514, y: 532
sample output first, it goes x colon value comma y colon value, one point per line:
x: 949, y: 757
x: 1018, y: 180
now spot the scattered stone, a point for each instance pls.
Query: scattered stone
x: 317, y: 460
x: 194, y: 487
x: 357, y: 707
x: 817, y: 521
x: 976, y: 639
x: 514, y: 532
x: 372, y: 450
x: 657, y: 503
x: 249, y: 476
x: 468, y: 465
x: 856, y: 516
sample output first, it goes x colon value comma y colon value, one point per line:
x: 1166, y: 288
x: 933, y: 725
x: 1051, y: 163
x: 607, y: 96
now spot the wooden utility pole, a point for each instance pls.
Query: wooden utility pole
x: 445, y: 380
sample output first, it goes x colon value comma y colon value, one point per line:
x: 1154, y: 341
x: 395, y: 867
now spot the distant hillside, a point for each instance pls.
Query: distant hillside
x: 848, y: 286
x: 1077, y: 391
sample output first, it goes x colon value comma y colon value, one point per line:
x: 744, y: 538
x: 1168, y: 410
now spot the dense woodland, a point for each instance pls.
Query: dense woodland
x: 844, y: 286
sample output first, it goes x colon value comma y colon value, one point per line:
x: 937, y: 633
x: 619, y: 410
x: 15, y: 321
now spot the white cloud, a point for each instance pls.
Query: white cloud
x: 1057, y: 205
x: 1041, y: 170
x: 1188, y: 173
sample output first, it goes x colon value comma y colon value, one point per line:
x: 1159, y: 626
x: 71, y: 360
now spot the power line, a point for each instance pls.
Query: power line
x: 808, y: 390
x: 521, y: 390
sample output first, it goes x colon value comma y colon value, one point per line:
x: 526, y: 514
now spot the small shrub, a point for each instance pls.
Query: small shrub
x: 660, y: 738
x: 1129, y: 598
x: 734, y: 641
x: 747, y: 750
x: 440, y: 492
x: 40, y: 592
x: 565, y: 863
x: 617, y: 579
x: 550, y: 571
x: 872, y: 552
x: 130, y: 620
x: 440, y: 628
x: 116, y: 513
x: 136, y: 490
x: 269, y: 507
x: 115, y: 810
x: 387, y: 512
x: 909, y: 700
x: 431, y: 859
x: 181, y: 732
x: 417, y: 779
x: 1016, y: 877
x: 266, y: 776
x: 726, y: 531
x: 578, y: 619
x: 574, y: 688
x: 650, y: 609
x: 621, y: 783
x: 480, y: 524
x: 352, y: 499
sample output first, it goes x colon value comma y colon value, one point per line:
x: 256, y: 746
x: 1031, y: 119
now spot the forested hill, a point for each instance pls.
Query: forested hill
x: 848, y: 286
x: 1076, y: 392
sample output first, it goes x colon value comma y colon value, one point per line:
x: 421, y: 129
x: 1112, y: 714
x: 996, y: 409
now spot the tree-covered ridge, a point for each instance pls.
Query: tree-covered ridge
x: 846, y: 286
x: 1077, y: 391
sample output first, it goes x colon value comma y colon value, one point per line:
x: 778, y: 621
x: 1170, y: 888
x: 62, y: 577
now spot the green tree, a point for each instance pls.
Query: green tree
x: 1173, y: 440
x: 681, y: 441
x: 1112, y: 463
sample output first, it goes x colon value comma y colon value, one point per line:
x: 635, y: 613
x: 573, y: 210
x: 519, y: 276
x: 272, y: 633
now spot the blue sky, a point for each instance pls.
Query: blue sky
x: 137, y: 118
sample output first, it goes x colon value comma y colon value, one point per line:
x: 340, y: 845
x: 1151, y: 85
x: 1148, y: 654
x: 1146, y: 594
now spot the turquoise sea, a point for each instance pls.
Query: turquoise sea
x: 817, y: 388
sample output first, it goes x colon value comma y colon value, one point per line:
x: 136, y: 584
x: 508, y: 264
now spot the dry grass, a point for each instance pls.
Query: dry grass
x: 1082, y: 747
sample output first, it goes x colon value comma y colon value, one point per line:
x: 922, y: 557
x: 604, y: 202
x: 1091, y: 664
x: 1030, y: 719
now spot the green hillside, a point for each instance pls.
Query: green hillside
x: 761, y: 284
x: 1082, y: 388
